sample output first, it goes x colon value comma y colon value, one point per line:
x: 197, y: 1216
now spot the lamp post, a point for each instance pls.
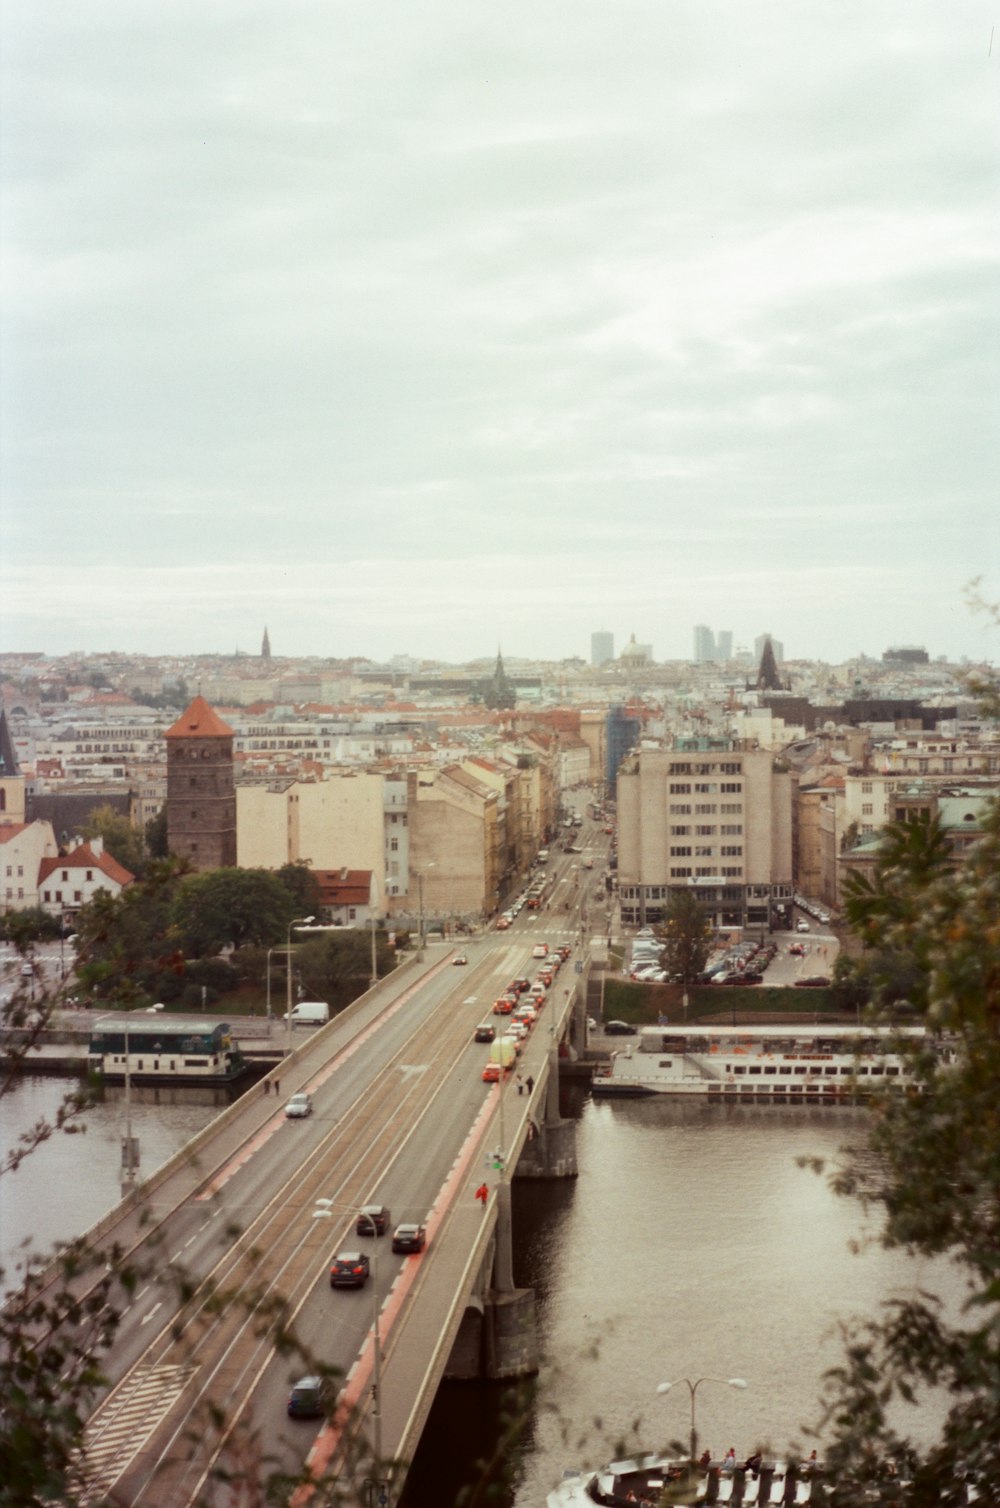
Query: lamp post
x: 692, y: 1387
x: 269, y: 952
x: 299, y: 921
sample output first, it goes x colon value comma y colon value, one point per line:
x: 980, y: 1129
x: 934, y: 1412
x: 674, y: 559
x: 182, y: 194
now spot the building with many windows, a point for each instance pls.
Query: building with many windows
x: 602, y: 648
x: 709, y: 815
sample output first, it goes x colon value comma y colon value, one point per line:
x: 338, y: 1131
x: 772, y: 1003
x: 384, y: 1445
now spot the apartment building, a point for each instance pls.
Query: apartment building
x: 707, y: 815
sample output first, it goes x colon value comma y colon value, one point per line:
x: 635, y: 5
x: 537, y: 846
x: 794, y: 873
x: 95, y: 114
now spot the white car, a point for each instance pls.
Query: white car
x: 298, y: 1106
x: 802, y: 926
x: 540, y: 950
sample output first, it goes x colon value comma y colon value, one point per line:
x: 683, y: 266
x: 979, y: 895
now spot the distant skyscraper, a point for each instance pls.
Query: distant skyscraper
x: 724, y: 644
x: 704, y: 643
x: 602, y: 647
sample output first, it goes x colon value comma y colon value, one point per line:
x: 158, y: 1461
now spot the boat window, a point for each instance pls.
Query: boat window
x: 738, y: 1069
x: 803, y: 1069
x: 892, y: 1073
x: 862, y: 1070
x: 829, y: 1071
x: 878, y: 1070
x: 770, y: 1070
x: 665, y: 1063
x: 753, y: 1070
x: 784, y: 1070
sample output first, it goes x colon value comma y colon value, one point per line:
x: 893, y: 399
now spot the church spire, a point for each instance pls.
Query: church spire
x: 265, y: 648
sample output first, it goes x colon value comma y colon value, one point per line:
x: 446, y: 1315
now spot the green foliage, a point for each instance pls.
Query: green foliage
x: 303, y: 887
x: 128, y: 947
x: 230, y: 908
x: 120, y: 838
x: 933, y: 1167
x: 157, y: 844
x: 335, y: 963
x: 687, y: 936
x: 22, y: 928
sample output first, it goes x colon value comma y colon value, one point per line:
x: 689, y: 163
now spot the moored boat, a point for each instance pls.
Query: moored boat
x: 649, y: 1480
x: 810, y: 1061
x: 155, y: 1049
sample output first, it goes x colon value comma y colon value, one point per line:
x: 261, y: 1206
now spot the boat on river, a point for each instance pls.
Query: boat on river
x: 783, y: 1063
x: 146, y: 1048
x: 643, y: 1480
x: 648, y: 1480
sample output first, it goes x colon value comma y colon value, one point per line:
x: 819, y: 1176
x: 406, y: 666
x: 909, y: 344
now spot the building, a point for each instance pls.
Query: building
x: 201, y: 788
x: 777, y: 648
x: 349, y: 897
x: 708, y: 815
x: 602, y: 648
x: 24, y: 846
x: 621, y: 734
x: 704, y: 643
x: 71, y: 880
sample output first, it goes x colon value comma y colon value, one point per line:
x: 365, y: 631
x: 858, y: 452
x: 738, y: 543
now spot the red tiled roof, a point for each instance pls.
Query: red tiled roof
x: 344, y: 887
x: 85, y: 858
x: 11, y: 829
x: 199, y: 721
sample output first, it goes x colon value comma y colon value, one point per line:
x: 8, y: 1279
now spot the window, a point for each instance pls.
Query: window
x: 46, y: 896
x: 731, y: 829
x: 681, y: 809
x: 393, y: 845
x: 705, y: 788
x: 682, y: 831
x: 729, y: 769
x: 866, y: 787
x: 732, y: 850
x: 731, y: 788
x: 705, y: 808
x: 680, y: 853
x: 680, y: 790
x: 866, y: 808
x: 705, y: 830
x: 680, y: 874
x: 90, y: 875
x: 703, y: 850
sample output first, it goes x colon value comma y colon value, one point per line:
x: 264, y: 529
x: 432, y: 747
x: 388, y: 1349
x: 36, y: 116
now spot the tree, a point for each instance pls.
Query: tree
x: 120, y: 838
x: 128, y: 946
x: 229, y: 908
x: 302, y: 886
x: 933, y: 1168
x: 687, y: 939
x: 157, y: 844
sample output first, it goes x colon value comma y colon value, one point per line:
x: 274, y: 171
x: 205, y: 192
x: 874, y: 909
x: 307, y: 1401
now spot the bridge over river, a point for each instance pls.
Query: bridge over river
x: 255, y: 1209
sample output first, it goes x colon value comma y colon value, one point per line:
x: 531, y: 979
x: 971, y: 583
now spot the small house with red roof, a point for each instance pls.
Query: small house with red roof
x: 70, y: 880
x: 348, y: 896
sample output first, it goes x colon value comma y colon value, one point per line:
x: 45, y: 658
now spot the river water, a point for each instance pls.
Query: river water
x: 691, y: 1245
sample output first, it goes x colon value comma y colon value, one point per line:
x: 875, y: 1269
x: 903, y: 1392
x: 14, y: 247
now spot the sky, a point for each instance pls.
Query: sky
x: 428, y: 328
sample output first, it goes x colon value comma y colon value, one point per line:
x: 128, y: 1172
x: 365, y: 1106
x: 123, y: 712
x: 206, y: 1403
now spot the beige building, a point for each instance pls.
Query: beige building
x: 340, y: 822
x: 455, y: 844
x: 710, y: 816
x: 23, y: 848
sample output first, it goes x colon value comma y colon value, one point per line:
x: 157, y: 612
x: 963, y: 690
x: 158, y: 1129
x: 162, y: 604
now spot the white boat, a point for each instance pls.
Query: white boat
x: 808, y: 1061
x: 643, y: 1479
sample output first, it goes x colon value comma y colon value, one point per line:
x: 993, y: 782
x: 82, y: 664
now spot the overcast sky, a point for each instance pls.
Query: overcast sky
x: 409, y: 326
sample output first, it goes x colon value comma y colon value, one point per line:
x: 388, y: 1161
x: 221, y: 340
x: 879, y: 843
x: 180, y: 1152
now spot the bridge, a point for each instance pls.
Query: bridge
x: 236, y: 1236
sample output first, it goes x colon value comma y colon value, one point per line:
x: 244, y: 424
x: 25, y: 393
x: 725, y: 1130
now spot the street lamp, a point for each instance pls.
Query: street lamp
x: 729, y: 1382
x: 299, y: 921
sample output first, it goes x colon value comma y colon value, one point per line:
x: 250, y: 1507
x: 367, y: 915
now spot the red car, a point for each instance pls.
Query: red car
x: 504, y: 1005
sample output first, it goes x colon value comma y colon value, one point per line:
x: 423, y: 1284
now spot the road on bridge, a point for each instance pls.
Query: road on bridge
x: 242, y: 1232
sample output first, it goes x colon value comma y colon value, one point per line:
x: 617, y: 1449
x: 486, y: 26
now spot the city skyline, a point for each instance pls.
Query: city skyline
x: 426, y: 338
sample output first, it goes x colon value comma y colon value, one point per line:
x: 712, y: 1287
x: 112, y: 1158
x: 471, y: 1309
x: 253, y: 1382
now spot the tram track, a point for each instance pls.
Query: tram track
x: 219, y: 1350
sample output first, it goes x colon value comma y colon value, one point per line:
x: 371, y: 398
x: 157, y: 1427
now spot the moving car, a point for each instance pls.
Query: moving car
x: 299, y: 1105
x: 409, y: 1238
x: 619, y: 1029
x: 540, y: 950
x: 484, y: 1032
x: 307, y: 1399
x: 350, y: 1270
x: 374, y: 1220
x: 459, y: 958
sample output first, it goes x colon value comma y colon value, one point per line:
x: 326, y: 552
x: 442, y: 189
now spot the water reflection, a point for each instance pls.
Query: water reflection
x: 692, y: 1244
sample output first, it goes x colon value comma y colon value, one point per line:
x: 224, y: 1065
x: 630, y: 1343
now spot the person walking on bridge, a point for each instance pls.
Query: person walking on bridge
x: 483, y: 1194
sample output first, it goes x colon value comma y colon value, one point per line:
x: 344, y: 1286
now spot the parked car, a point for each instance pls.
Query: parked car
x: 409, y: 1238
x: 619, y: 1029
x: 350, y: 1269
x: 484, y: 1032
x: 374, y: 1220
x: 299, y: 1106
x: 307, y: 1399
x: 814, y: 981
x: 801, y: 925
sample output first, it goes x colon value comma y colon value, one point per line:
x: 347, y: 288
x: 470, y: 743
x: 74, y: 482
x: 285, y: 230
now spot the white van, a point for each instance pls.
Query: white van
x: 309, y: 1013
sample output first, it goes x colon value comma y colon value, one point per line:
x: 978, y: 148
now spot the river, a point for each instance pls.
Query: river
x: 691, y: 1245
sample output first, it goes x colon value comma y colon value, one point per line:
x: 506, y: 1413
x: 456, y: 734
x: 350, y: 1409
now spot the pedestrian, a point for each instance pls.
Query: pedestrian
x: 530, y: 1083
x: 520, y: 1086
x: 729, y: 1464
x: 267, y: 1087
x: 482, y: 1194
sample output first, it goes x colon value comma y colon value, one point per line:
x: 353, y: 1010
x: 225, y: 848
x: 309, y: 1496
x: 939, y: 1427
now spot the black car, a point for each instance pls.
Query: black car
x: 619, y: 1029
x: 485, y: 1032
x: 409, y: 1238
x: 350, y: 1270
x: 374, y: 1220
x: 307, y: 1399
